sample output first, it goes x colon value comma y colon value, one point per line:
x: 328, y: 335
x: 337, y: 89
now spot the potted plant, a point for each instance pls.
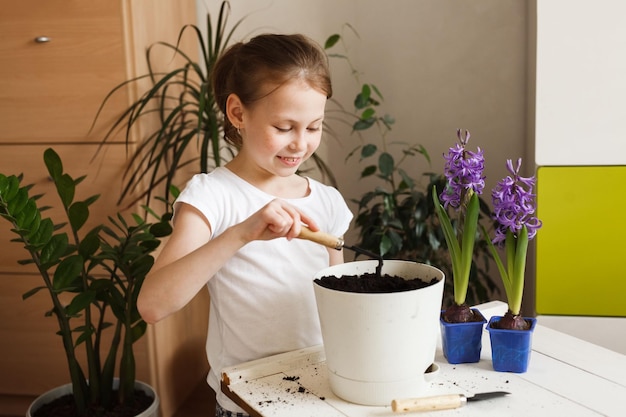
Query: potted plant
x: 189, y: 126
x: 379, y: 342
x: 397, y: 219
x: 461, y: 326
x: 514, y: 214
x: 100, y: 272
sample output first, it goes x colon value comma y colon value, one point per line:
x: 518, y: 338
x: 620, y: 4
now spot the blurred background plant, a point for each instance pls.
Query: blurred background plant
x: 397, y: 218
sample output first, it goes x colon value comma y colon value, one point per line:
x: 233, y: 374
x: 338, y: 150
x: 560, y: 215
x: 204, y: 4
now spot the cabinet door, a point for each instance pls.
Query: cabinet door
x: 51, y: 90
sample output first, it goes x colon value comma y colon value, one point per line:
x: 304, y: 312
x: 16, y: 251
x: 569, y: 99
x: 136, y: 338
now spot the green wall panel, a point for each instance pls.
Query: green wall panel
x: 581, y: 248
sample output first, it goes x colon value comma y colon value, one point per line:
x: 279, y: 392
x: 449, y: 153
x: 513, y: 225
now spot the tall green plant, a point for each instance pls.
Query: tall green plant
x: 189, y: 129
x: 101, y: 270
x: 397, y: 218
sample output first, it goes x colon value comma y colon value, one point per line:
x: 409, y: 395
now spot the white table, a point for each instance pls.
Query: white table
x: 566, y: 377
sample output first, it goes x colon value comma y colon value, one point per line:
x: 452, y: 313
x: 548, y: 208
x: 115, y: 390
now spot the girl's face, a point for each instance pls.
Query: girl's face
x: 283, y: 129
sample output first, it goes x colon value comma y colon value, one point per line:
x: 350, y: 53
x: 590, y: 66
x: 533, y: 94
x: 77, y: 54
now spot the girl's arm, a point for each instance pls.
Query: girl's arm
x: 190, y: 257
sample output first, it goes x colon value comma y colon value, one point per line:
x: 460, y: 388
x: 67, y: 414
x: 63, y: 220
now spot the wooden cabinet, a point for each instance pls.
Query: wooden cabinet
x: 58, y: 61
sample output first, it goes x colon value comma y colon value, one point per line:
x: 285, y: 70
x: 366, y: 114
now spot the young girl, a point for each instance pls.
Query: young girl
x: 236, y: 228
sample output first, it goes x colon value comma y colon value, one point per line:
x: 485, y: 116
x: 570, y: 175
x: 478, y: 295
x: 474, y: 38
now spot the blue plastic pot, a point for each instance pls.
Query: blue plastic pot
x: 462, y: 342
x: 510, y: 349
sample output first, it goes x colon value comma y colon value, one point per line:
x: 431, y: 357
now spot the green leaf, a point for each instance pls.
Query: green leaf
x: 66, y: 189
x: 80, y: 302
x: 368, y: 150
x: 363, y: 124
x: 18, y: 202
x: 362, y: 99
x: 331, y: 41
x: 368, y: 171
x: 32, y: 292
x: 385, y: 164
x: 67, y: 272
x: 368, y: 113
x: 89, y: 245
x: 54, y: 249
x: 139, y: 330
x: 43, y: 233
x: 13, y: 187
x: 161, y: 229
x: 406, y: 178
x: 78, y: 215
x: 385, y: 245
x: 53, y: 163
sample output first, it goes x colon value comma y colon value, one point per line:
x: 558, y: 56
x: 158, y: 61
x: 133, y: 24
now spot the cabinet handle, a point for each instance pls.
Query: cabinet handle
x: 42, y: 39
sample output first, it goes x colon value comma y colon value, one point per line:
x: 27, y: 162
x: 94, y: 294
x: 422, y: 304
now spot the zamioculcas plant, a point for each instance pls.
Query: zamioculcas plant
x: 100, y: 271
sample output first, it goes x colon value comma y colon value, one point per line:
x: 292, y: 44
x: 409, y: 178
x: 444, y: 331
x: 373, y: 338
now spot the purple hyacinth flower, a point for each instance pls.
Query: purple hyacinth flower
x: 463, y: 170
x: 514, y: 204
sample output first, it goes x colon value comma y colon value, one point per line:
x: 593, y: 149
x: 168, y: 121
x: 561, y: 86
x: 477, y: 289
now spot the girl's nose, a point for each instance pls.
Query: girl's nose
x: 298, y: 142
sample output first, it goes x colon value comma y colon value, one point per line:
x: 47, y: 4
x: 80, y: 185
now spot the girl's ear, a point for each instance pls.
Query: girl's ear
x: 234, y: 110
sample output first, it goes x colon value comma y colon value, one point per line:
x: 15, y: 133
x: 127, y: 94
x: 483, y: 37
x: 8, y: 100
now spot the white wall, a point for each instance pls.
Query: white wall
x: 581, y: 62
x: 441, y: 65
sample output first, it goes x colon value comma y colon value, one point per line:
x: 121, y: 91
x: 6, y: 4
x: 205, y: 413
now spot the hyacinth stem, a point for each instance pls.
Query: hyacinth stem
x: 461, y: 253
x: 513, y: 275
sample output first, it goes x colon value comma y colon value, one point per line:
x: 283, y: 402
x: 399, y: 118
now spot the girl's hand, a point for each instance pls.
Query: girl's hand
x: 276, y: 219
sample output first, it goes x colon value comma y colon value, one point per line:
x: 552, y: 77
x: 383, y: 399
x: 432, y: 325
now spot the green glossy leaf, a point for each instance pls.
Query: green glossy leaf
x: 67, y: 272
x: 89, y: 245
x: 43, y: 233
x: 80, y: 302
x: 66, y: 189
x: 53, y: 163
x: 78, y: 215
x: 11, y: 188
x: 18, y: 202
x: 30, y: 216
x: 54, y: 249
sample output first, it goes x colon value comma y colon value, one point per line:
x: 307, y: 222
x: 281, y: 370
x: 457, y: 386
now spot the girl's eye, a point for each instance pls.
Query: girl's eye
x: 283, y: 129
x: 313, y: 128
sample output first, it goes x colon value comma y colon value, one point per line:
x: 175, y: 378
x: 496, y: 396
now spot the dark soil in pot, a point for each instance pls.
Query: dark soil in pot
x: 64, y: 407
x: 372, y: 283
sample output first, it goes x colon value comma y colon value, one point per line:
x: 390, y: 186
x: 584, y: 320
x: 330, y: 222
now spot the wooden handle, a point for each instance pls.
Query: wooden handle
x: 321, y: 238
x: 439, y: 402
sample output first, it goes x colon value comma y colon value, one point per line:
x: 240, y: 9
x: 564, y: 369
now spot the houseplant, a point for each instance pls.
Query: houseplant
x: 101, y: 272
x: 461, y: 326
x: 188, y: 130
x: 379, y: 346
x: 514, y: 215
x: 397, y: 218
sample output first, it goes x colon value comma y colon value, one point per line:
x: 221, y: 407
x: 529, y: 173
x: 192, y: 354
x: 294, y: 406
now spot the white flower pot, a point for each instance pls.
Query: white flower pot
x: 379, y: 346
x: 152, y: 411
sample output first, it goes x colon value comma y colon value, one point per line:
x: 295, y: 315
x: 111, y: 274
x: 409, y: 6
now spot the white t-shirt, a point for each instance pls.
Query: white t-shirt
x: 262, y: 300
